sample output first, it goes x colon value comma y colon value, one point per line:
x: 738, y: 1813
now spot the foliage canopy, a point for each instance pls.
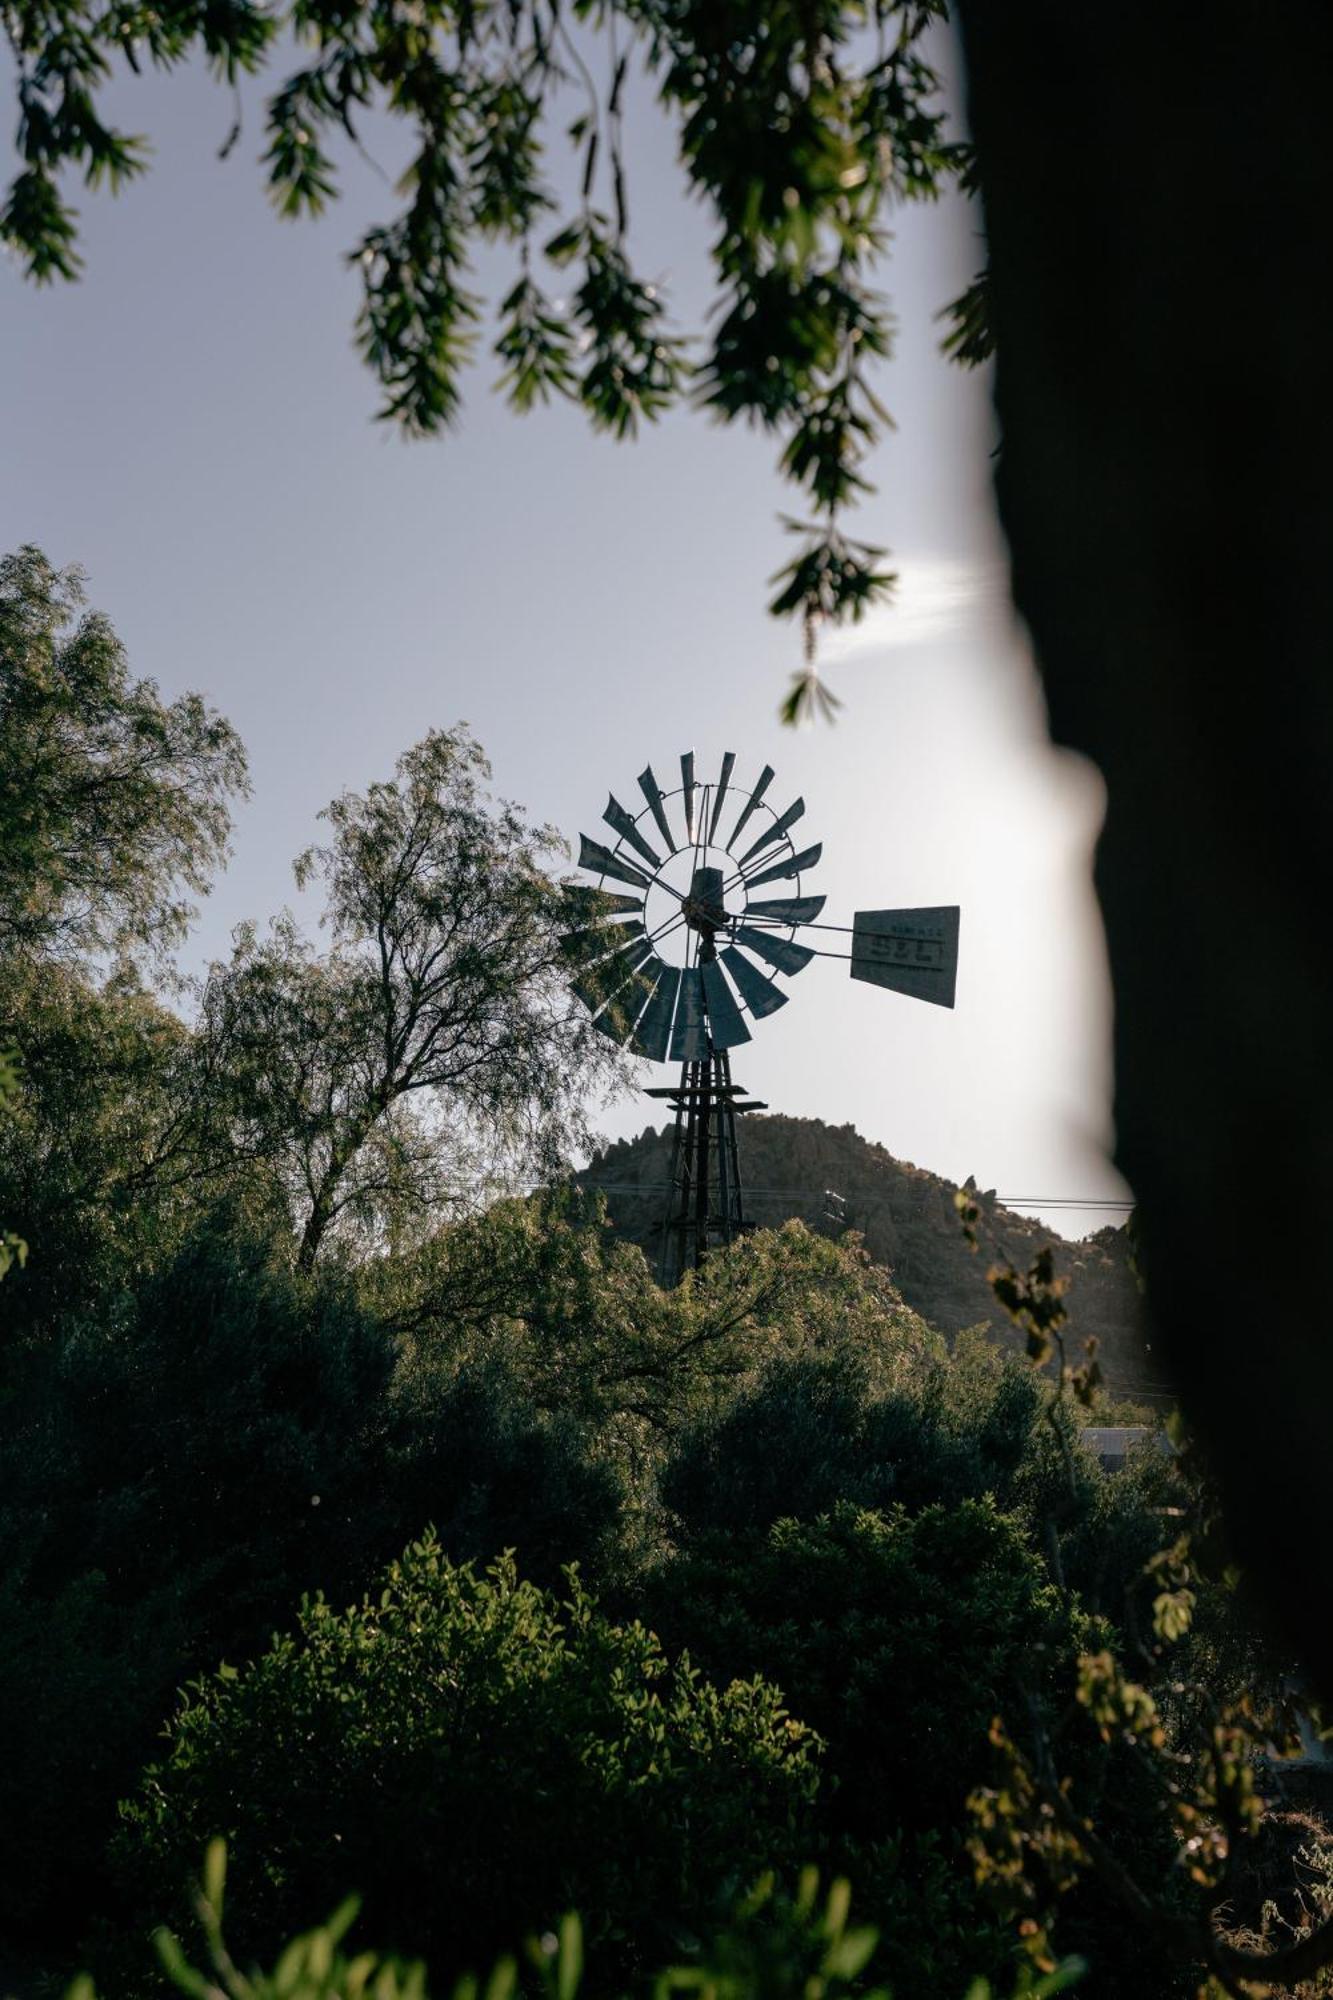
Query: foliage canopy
x: 540, y: 1755
x: 797, y: 128
x: 111, y: 802
x: 257, y: 1347
x: 439, y: 1021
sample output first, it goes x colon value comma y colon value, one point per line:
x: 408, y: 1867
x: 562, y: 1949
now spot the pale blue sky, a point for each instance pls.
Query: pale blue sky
x: 191, y: 424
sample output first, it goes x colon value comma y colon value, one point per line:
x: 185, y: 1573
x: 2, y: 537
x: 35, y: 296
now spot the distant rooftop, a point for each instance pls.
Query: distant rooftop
x: 1113, y: 1443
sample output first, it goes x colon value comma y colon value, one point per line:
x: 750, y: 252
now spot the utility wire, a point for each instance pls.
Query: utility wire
x: 859, y: 1200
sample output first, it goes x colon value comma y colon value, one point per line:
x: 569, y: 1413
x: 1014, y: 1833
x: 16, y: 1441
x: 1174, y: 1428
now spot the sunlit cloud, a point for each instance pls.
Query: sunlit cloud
x: 938, y: 597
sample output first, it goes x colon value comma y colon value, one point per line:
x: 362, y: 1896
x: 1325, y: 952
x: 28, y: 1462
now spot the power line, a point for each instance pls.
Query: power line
x: 858, y: 1199
x: 1064, y: 1201
x: 872, y: 1200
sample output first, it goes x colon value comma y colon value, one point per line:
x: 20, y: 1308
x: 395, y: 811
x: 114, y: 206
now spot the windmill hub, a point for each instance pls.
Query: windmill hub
x: 705, y: 908
x: 647, y: 964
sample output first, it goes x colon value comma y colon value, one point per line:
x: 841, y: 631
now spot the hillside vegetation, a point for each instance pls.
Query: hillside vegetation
x: 429, y: 1551
x: 908, y: 1222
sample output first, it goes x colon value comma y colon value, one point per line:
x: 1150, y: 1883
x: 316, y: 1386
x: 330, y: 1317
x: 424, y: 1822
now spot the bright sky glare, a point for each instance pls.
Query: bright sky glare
x: 190, y: 423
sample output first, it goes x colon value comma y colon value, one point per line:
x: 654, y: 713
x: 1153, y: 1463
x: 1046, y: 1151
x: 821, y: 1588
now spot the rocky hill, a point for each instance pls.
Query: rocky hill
x: 910, y: 1225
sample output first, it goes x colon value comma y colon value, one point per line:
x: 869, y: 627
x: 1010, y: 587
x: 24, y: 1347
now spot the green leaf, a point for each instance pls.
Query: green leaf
x: 852, y: 1952
x: 569, y: 1961
x: 215, y: 1871
x: 503, y: 1981
x: 178, y: 1969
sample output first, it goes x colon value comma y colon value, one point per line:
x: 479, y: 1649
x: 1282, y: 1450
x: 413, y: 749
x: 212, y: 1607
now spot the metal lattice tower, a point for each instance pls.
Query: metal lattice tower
x: 668, y: 971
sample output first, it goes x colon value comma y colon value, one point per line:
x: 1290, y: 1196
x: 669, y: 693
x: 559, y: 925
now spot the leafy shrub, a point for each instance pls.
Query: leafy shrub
x: 816, y: 1428
x: 472, y: 1754
x: 159, y: 1475
x: 491, y: 1469
x: 812, y: 1430
x: 773, y: 1945
x: 83, y: 1682
x: 219, y: 1430
x: 792, y: 1444
x: 584, y: 1322
x: 176, y: 1474
x: 96, y: 1159
x: 896, y: 1636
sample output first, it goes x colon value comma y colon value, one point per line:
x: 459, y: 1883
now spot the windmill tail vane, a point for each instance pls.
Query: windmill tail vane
x: 665, y: 953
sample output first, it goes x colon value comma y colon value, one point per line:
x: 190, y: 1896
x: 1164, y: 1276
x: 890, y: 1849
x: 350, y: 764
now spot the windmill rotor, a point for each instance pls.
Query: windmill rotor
x: 697, y: 911
x: 693, y: 881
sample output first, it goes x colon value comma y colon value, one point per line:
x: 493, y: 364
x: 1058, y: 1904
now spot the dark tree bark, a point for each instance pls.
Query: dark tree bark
x: 1158, y: 187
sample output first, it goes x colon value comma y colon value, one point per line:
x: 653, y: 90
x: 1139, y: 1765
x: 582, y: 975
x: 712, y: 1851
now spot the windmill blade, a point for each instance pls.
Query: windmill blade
x: 775, y: 832
x: 782, y: 871
x: 779, y: 951
x: 760, y: 993
x: 910, y: 951
x: 689, y: 1033
x: 765, y: 780
x: 687, y: 786
x: 728, y: 765
x: 653, y: 1033
x: 788, y: 909
x: 600, y: 860
x: 652, y: 791
x: 725, y: 1027
x: 617, y: 1018
x: 585, y: 947
x: 616, y: 816
x: 585, y: 906
x: 591, y: 991
x: 598, y: 983
x: 629, y: 1000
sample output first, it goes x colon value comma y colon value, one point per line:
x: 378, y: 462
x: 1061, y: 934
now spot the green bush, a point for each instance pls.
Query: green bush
x: 771, y: 1945
x: 475, y: 1454
x: 583, y: 1321
x: 897, y: 1636
x: 172, y: 1476
x: 816, y: 1428
x: 176, y: 1474
x: 471, y: 1754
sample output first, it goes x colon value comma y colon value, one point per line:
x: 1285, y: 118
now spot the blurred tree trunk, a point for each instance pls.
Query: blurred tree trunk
x: 1158, y: 187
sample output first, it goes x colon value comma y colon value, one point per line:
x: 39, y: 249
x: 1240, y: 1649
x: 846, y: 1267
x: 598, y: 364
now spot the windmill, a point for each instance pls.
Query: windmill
x: 678, y: 949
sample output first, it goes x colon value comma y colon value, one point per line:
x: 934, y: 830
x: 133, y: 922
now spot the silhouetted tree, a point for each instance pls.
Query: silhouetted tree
x: 111, y: 801
x: 438, y: 1022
